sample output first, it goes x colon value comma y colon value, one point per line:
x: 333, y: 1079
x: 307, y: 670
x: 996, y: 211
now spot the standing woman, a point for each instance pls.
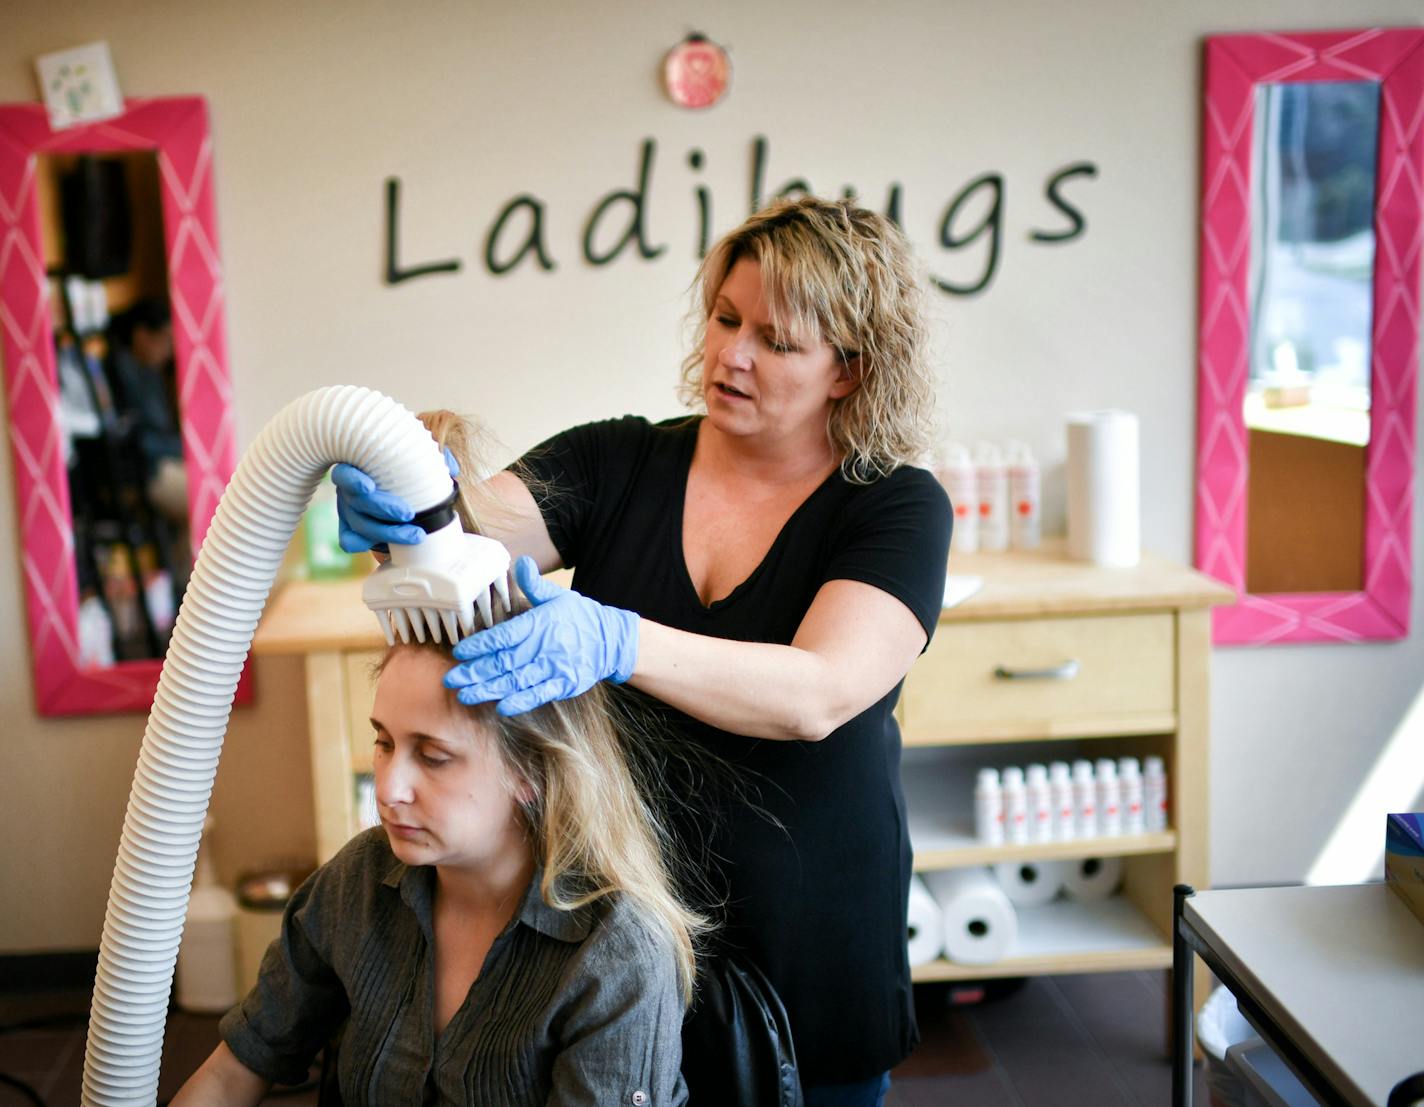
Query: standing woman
x: 768, y: 571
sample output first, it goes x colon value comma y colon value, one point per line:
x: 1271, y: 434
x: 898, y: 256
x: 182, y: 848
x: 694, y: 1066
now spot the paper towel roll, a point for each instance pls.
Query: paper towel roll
x: 924, y: 926
x: 1093, y: 877
x: 1030, y: 883
x: 980, y: 925
x: 1104, y: 494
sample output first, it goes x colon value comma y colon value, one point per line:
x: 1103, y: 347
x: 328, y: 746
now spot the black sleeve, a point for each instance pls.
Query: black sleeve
x: 895, y: 536
x: 567, y: 473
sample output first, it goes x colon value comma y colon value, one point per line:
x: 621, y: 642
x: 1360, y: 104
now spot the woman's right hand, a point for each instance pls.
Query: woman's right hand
x: 370, y: 518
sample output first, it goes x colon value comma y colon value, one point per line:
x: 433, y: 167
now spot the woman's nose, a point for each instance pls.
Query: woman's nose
x: 736, y: 352
x: 393, y: 784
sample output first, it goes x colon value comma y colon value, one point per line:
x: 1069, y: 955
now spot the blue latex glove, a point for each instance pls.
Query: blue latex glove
x: 562, y: 646
x: 369, y: 518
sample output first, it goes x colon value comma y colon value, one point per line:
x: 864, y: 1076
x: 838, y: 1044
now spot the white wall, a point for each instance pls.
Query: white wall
x: 315, y: 104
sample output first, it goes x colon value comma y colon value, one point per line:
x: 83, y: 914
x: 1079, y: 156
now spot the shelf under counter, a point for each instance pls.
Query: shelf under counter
x: 1068, y: 936
x: 951, y: 851
x: 1041, y: 730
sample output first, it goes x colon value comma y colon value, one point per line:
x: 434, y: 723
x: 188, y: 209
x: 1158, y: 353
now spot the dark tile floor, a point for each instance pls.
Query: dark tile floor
x: 1069, y: 1041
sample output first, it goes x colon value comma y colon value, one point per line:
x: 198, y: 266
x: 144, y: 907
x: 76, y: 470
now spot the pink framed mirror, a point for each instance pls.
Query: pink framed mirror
x: 117, y: 387
x: 1312, y: 224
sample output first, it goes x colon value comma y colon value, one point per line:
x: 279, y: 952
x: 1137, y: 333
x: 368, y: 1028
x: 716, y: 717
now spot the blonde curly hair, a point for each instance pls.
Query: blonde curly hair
x: 848, y: 276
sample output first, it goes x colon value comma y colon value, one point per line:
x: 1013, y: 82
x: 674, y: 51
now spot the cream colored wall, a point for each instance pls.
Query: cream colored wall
x: 315, y: 104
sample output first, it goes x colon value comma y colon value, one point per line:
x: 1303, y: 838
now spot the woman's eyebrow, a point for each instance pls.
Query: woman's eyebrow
x: 416, y: 735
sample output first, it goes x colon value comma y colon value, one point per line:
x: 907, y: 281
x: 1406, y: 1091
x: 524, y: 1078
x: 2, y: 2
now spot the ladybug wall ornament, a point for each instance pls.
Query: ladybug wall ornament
x: 696, y: 72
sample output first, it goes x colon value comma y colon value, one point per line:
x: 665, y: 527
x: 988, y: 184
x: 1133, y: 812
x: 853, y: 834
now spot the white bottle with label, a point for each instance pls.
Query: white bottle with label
x: 1085, y: 800
x: 956, y: 473
x: 1040, y: 804
x: 1015, y: 805
x: 1129, y: 776
x: 1154, y: 794
x: 989, y: 808
x: 1060, y: 786
x: 1109, y: 798
x: 207, y: 958
x: 1025, y: 488
x: 993, y: 484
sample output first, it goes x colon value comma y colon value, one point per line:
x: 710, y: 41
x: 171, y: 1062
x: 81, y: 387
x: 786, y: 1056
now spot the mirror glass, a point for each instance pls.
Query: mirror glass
x: 1307, y: 401
x: 101, y: 220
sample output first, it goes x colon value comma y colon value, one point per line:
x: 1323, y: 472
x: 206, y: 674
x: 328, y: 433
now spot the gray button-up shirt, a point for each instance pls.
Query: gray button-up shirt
x: 571, y: 1007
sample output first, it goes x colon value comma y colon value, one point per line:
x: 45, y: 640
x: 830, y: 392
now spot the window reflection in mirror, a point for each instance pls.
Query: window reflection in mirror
x: 1307, y: 407
x: 102, y: 226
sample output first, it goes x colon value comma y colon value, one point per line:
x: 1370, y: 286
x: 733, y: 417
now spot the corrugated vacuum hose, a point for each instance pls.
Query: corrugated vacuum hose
x: 234, y: 572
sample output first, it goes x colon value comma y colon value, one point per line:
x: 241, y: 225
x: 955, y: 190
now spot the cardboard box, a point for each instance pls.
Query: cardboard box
x: 1404, y: 859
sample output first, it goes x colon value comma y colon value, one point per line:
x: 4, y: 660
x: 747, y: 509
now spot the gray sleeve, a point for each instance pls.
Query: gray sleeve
x: 298, y: 1002
x: 622, y: 1021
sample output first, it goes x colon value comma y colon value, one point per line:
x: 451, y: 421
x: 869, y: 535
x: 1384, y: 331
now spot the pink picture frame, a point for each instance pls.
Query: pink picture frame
x: 176, y: 129
x: 1234, y: 66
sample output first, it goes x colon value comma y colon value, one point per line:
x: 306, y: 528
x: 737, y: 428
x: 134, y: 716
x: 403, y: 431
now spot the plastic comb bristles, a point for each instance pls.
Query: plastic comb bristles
x: 441, y: 589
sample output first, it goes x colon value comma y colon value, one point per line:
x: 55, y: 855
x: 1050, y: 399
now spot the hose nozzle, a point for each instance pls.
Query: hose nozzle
x: 448, y: 585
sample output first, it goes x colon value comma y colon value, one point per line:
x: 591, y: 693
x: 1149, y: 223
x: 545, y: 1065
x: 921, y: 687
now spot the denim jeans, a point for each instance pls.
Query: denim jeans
x: 863, y: 1093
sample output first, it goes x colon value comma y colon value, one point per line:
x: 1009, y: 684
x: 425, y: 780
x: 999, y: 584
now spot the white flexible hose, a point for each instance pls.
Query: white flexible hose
x: 234, y: 572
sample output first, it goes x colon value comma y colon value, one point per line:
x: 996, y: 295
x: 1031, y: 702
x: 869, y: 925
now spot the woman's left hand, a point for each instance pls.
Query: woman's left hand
x: 561, y: 647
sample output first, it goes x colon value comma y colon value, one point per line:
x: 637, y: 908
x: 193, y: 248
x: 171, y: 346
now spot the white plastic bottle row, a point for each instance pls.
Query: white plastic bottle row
x: 1056, y: 803
x: 995, y: 494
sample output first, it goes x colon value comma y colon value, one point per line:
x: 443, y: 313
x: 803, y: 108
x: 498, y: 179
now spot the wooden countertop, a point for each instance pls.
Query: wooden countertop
x: 306, y: 616
x: 1043, y: 582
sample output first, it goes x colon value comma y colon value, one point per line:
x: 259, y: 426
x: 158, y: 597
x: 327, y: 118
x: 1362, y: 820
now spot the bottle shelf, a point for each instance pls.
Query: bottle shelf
x: 939, y: 804
x: 1068, y: 936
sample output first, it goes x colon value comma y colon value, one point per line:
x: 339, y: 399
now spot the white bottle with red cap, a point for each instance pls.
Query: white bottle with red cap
x: 1015, y: 805
x: 989, y: 808
x: 993, y: 484
x: 1025, y: 518
x: 1060, y: 784
x: 1040, y: 804
x: 1109, y: 798
x: 956, y: 473
x: 1129, y: 775
x: 1154, y: 794
x: 1085, y: 800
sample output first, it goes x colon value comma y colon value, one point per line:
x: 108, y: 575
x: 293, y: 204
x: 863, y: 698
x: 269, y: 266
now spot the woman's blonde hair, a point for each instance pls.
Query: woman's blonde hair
x: 849, y: 277
x: 592, y: 829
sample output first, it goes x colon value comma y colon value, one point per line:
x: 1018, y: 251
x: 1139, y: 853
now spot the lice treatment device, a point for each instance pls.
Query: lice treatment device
x: 433, y: 587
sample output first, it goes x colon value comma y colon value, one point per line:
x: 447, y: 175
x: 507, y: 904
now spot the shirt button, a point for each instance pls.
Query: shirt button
x: 638, y: 1098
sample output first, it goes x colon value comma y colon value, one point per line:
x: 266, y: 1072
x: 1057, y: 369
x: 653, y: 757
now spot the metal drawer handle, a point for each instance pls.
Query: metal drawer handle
x: 1067, y: 671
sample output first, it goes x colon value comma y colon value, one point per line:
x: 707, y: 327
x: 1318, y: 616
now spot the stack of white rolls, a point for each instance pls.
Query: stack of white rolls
x: 970, y: 915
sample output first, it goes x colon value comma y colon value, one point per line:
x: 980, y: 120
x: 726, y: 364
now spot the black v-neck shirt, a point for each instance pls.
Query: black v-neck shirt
x: 812, y: 859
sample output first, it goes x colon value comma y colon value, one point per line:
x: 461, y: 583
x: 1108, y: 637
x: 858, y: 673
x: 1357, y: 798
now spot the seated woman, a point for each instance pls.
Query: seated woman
x: 507, y: 935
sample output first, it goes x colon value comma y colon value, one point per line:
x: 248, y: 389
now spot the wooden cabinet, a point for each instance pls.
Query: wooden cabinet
x: 1139, y: 640
x: 329, y: 626
x: 1059, y: 659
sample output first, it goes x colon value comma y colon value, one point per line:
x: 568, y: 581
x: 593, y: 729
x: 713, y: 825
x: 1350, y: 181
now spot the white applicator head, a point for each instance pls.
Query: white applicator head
x: 446, y: 586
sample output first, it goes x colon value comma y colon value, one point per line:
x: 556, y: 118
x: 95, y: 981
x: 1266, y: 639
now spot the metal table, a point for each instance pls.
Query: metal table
x: 1331, y: 977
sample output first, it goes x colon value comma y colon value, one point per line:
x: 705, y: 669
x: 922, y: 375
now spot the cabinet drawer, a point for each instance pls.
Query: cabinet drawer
x: 1123, y: 681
